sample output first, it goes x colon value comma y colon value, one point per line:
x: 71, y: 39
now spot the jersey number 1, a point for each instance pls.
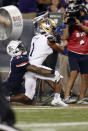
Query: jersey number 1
x: 32, y: 50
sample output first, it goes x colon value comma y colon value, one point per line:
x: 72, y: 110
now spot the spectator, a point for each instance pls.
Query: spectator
x: 65, y: 70
x: 42, y: 6
x: 77, y: 36
x: 10, y: 2
x: 56, y: 6
x: 28, y: 8
x: 64, y: 3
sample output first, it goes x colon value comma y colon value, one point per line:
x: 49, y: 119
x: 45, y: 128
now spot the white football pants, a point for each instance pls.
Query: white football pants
x: 30, y: 81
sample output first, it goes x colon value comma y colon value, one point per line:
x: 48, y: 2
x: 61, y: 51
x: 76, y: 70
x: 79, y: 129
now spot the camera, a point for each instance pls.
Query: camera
x: 73, y: 11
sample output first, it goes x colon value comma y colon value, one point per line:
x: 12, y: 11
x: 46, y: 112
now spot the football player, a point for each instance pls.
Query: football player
x: 19, y: 65
x: 42, y: 46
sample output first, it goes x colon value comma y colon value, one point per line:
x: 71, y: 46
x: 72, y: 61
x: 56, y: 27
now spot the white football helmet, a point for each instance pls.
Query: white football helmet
x: 15, y: 48
x: 47, y: 25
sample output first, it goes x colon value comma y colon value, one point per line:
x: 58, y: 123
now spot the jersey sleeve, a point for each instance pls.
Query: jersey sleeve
x: 22, y: 62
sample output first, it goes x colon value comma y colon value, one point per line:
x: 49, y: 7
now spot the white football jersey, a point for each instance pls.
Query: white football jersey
x: 39, y: 49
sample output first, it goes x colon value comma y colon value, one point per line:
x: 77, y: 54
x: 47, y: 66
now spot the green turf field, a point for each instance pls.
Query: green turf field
x: 46, y: 118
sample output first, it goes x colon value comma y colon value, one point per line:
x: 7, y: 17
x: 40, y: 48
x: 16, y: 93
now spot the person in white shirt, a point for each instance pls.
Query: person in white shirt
x: 42, y: 45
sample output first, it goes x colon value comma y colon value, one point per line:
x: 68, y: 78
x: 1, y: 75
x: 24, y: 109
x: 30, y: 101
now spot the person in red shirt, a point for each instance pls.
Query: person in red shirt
x: 77, y: 37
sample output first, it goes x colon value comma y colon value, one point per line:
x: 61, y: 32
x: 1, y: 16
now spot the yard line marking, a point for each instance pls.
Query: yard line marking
x: 49, y: 108
x: 6, y: 128
x: 51, y: 124
x: 36, y: 108
x: 79, y: 106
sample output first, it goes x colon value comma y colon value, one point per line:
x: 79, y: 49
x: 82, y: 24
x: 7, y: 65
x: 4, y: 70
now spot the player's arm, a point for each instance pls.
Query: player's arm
x: 40, y: 70
x: 4, y: 21
x: 23, y: 63
x: 55, y: 43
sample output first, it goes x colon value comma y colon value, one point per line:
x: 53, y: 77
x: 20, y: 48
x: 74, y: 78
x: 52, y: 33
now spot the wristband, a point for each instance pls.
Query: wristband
x: 52, y: 71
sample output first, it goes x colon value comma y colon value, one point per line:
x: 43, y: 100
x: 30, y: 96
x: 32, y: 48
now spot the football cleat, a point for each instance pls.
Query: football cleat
x: 70, y: 100
x: 83, y: 101
x: 58, y: 102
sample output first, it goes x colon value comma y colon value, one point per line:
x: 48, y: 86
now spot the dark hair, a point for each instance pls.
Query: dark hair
x: 60, y: 3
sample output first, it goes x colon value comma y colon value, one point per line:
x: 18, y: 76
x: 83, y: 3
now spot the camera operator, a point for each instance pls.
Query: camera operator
x: 76, y: 33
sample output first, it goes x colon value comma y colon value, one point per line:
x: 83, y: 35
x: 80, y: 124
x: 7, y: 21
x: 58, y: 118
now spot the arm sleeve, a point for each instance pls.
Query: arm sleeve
x: 54, y: 38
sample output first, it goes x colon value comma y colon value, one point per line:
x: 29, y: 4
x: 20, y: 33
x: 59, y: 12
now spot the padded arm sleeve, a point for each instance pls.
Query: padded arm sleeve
x: 54, y: 38
x: 51, y: 39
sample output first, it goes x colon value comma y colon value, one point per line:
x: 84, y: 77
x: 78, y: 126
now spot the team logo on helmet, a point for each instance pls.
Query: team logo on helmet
x: 47, y: 25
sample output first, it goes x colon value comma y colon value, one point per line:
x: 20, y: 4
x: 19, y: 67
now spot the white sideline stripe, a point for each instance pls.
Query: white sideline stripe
x: 6, y: 128
x: 46, y: 108
x: 39, y: 108
x: 52, y: 124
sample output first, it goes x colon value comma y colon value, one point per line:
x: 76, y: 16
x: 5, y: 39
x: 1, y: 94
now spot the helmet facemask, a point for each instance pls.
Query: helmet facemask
x: 22, y: 49
x: 15, y: 48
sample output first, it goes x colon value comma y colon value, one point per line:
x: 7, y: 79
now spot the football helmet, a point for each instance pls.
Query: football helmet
x: 47, y: 25
x: 15, y: 48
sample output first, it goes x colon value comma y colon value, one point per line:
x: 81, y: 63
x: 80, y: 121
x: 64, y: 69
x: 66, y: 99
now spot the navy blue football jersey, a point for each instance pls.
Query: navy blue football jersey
x: 18, y: 68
